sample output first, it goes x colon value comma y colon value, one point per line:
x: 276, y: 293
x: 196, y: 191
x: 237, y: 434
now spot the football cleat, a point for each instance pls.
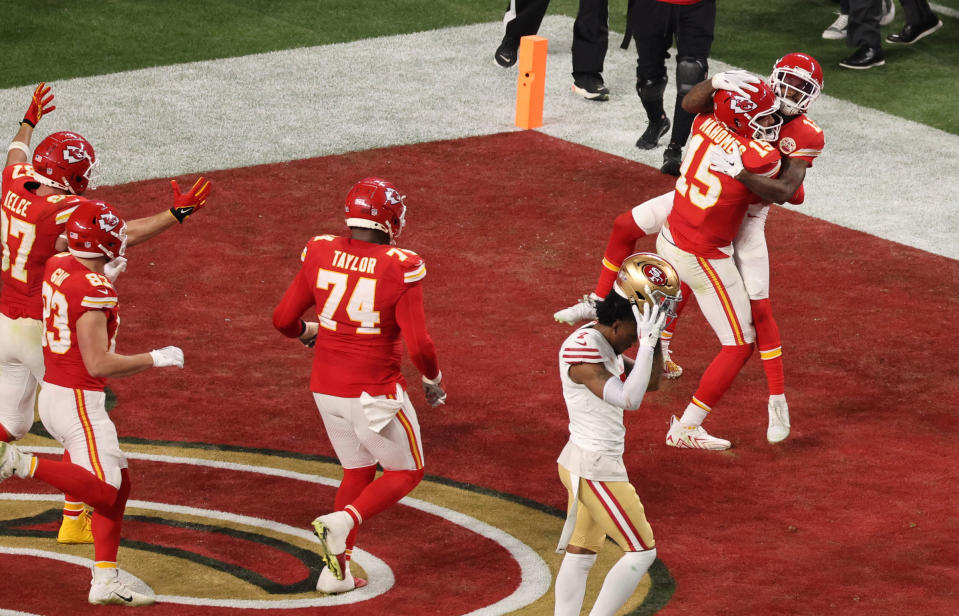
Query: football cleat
x: 583, y: 310
x: 13, y: 462
x: 778, y: 428
x: 332, y: 529
x: 106, y: 589
x: 327, y: 583
x: 74, y: 530
x: 693, y: 437
x: 671, y: 370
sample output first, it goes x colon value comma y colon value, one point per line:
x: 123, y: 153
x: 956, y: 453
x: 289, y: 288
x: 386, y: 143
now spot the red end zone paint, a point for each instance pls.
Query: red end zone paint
x: 846, y: 516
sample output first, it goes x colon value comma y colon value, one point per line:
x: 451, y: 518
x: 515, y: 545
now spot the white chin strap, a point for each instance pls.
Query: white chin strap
x: 48, y: 182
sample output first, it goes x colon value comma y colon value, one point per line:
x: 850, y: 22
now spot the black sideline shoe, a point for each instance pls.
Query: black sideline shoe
x: 672, y: 159
x: 865, y: 57
x: 910, y: 33
x: 507, y: 52
x: 650, y: 137
x: 590, y: 86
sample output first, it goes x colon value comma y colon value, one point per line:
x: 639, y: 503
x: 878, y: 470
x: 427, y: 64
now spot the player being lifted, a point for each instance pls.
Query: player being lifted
x: 797, y: 81
x: 368, y: 294
x: 39, y: 193
x: 80, y: 319
x: 602, y: 501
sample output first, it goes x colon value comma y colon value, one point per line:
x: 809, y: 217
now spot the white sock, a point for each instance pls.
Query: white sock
x: 621, y: 582
x: 570, y: 585
x: 693, y: 415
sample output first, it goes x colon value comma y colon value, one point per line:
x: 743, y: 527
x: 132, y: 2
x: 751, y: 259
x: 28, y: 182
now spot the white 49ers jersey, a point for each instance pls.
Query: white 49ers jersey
x: 594, y: 424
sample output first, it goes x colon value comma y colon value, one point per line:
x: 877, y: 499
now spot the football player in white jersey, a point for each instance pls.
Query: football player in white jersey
x: 602, y: 501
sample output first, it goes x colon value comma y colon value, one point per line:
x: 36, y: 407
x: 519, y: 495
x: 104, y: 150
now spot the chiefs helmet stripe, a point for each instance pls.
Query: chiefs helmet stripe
x: 724, y: 299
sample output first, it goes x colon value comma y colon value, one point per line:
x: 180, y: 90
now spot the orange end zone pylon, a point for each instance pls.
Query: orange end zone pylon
x: 532, y: 81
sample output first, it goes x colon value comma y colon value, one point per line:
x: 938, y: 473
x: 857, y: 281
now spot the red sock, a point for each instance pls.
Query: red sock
x: 686, y: 293
x: 354, y: 482
x: 108, y: 521
x: 386, y: 491
x: 68, y: 498
x: 4, y: 435
x: 721, y: 373
x: 769, y: 344
x: 620, y: 245
x: 72, y: 479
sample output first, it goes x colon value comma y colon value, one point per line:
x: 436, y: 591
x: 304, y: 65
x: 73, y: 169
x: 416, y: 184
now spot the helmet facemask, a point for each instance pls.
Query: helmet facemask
x: 794, y: 88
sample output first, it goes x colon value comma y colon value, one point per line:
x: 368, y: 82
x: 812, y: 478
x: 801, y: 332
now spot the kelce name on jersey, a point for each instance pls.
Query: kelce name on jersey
x: 345, y: 260
x: 15, y: 204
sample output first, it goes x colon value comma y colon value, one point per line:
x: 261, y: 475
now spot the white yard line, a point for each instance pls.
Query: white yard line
x: 880, y: 174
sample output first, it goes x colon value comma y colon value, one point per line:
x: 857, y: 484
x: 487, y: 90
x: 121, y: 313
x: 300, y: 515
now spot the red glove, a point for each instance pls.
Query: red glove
x: 186, y: 204
x: 39, y: 105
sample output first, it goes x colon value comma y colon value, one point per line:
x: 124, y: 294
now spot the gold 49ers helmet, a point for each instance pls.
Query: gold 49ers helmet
x: 647, y: 269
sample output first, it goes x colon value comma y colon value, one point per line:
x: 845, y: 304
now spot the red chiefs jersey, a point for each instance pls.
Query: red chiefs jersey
x: 69, y: 290
x: 708, y: 207
x: 29, y: 228
x: 362, y: 293
x: 800, y: 137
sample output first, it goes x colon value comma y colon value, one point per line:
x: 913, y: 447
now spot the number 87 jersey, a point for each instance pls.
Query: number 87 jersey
x: 366, y: 296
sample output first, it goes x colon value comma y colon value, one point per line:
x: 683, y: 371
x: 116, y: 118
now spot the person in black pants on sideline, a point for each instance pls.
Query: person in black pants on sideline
x: 654, y: 24
x: 590, y: 41
x: 920, y: 22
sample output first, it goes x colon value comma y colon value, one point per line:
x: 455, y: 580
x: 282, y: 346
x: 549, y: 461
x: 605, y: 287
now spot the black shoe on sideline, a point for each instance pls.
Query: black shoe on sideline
x: 672, y: 159
x: 590, y: 86
x: 650, y: 137
x: 507, y: 52
x: 910, y: 33
x: 865, y: 57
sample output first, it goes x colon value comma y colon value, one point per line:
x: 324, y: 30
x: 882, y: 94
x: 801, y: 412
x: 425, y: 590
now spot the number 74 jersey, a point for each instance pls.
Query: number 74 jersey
x: 708, y: 207
x: 366, y: 296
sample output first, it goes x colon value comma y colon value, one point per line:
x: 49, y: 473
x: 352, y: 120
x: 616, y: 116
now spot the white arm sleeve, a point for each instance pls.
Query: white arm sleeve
x: 629, y: 394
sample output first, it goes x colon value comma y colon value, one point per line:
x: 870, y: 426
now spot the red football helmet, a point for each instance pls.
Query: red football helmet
x: 95, y: 229
x: 797, y: 81
x: 745, y: 116
x: 374, y: 203
x: 66, y: 161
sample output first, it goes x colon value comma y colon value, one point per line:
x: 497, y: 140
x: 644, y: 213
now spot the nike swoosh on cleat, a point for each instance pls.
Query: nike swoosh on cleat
x: 127, y: 599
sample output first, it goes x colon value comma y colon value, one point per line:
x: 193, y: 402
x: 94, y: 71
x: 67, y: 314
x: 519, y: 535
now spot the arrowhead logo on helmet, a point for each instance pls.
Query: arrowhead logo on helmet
x: 374, y: 203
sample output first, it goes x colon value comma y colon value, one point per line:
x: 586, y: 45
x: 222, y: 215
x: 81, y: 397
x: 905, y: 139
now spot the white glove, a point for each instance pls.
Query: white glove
x: 736, y: 81
x: 114, y: 268
x: 728, y: 163
x: 167, y: 356
x: 310, y: 329
x: 650, y: 324
x: 433, y: 389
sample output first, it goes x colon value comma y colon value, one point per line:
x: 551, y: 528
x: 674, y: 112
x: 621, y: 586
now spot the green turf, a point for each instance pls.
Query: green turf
x: 57, y: 40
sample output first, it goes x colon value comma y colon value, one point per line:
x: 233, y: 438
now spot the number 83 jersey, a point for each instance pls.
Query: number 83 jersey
x: 364, y: 294
x: 69, y: 290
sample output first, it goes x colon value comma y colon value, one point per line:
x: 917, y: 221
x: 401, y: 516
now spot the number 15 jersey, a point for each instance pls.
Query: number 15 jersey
x: 366, y: 295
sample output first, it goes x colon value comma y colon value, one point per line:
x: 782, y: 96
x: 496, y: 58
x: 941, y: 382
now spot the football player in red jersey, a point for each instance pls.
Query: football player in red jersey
x: 80, y: 319
x: 38, y: 195
x: 708, y: 209
x: 368, y: 295
x: 797, y: 81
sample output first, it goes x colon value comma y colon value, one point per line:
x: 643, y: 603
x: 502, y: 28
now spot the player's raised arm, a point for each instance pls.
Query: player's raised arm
x: 184, y: 205
x: 19, y: 150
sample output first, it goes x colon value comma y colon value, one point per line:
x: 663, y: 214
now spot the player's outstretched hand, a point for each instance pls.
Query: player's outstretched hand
x: 39, y: 105
x: 167, y: 356
x: 187, y: 203
x: 435, y: 394
x: 310, y: 329
x: 736, y: 81
x: 650, y: 323
x: 114, y: 268
x: 728, y: 163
